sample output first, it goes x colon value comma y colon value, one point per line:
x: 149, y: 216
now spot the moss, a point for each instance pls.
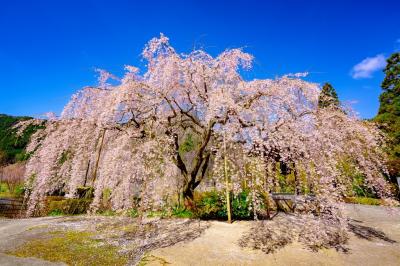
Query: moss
x: 73, y: 248
x: 363, y: 200
x: 161, y: 214
x: 151, y: 259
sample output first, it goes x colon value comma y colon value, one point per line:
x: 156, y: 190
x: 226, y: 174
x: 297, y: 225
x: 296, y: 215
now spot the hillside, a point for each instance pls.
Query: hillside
x: 12, y: 145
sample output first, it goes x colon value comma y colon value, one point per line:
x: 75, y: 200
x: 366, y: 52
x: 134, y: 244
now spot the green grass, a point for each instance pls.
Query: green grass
x: 73, y: 248
x: 363, y: 200
x: 6, y: 193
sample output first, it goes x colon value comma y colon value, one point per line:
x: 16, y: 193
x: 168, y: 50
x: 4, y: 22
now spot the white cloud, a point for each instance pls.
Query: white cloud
x: 368, y: 66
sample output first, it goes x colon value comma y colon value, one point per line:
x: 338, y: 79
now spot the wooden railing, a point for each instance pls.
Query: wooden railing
x: 12, y: 207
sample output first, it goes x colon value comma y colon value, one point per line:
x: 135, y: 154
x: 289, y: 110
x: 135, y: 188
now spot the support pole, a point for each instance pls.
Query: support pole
x: 228, y: 200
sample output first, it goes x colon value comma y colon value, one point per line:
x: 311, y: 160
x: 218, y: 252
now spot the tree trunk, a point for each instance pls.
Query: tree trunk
x: 98, y: 157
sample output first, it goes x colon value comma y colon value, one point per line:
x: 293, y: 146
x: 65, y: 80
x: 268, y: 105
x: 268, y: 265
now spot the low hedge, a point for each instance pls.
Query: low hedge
x: 68, y: 206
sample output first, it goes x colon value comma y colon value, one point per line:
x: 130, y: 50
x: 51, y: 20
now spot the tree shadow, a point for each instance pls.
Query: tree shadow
x: 369, y: 233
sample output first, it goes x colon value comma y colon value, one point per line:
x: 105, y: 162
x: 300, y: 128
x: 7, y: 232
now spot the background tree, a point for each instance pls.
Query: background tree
x: 389, y: 112
x: 328, y: 97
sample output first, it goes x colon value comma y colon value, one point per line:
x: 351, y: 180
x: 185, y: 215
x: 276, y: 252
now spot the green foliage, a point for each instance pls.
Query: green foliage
x: 107, y: 213
x: 392, y: 72
x: 241, y: 206
x: 389, y: 112
x: 328, y: 97
x: 160, y: 213
x: 19, y: 190
x: 181, y: 212
x: 6, y: 193
x: 189, y: 144
x: 65, y: 156
x: 12, y: 146
x: 363, y: 200
x: 212, y: 205
x: 56, y: 212
x: 358, y: 185
x: 133, y: 213
x: 85, y: 192
x: 69, y: 206
x: 73, y: 248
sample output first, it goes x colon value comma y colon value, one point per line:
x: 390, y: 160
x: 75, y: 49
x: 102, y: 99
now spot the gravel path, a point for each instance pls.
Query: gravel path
x: 218, y: 245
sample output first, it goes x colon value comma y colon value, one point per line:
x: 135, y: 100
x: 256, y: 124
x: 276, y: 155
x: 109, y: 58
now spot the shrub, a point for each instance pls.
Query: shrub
x: 85, y: 192
x: 181, y: 212
x: 212, y: 205
x: 241, y: 206
x: 69, y: 206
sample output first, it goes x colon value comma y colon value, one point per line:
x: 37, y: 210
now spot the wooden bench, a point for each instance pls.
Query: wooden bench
x: 289, y: 199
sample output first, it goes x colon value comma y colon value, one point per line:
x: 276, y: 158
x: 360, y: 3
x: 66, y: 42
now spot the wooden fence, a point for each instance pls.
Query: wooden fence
x: 12, y: 207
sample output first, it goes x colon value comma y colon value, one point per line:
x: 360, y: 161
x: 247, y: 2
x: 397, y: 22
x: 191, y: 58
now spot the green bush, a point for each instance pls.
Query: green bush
x: 241, y: 206
x: 55, y: 213
x: 181, y: 212
x: 69, y: 206
x: 19, y: 191
x: 85, y: 192
x: 212, y: 205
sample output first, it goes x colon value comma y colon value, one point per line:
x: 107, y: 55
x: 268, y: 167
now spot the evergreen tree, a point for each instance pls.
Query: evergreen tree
x: 328, y: 97
x: 389, y: 112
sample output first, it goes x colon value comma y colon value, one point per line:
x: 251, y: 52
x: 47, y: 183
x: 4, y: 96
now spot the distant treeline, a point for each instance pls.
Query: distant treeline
x: 12, y: 145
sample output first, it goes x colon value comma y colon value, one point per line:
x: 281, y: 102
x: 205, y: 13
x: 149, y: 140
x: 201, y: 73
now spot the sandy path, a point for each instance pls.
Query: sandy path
x: 218, y: 246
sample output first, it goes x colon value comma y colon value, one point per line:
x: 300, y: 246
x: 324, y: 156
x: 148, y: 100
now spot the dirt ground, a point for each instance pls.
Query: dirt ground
x: 218, y: 245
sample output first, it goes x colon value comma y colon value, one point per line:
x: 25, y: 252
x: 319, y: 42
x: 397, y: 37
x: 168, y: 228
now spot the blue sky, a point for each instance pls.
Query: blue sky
x: 49, y: 49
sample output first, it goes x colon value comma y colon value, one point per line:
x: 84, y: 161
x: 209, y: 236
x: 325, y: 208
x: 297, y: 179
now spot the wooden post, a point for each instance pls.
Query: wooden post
x: 98, y: 156
x: 228, y: 201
